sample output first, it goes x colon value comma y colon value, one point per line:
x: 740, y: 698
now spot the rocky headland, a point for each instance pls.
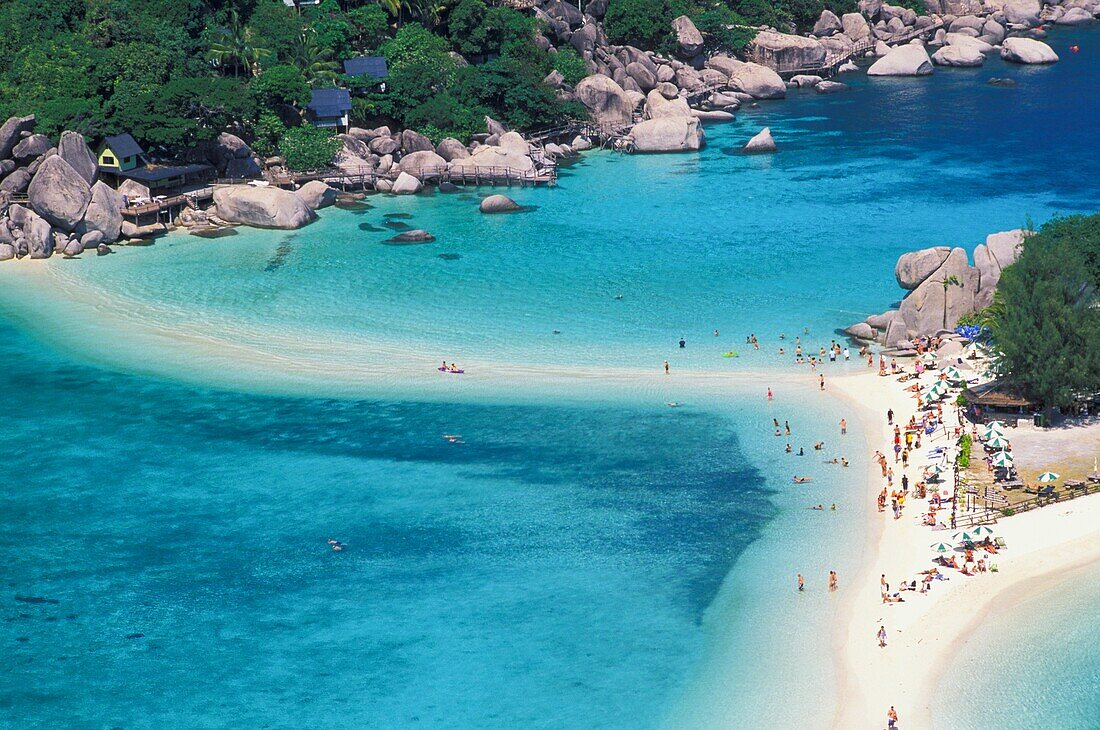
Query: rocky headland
x: 942, y: 288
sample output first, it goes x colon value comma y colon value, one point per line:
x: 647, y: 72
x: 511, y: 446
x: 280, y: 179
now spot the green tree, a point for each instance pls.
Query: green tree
x: 370, y: 26
x: 309, y: 148
x: 1047, y: 330
x: 331, y: 28
x: 641, y: 23
x: 276, y: 28
x: 186, y: 111
x: 234, y: 48
x: 282, y: 84
x: 512, y: 88
x: 419, y: 68
x: 569, y: 63
x: 1081, y: 233
x: 266, y: 134
x: 315, y: 61
x: 445, y: 116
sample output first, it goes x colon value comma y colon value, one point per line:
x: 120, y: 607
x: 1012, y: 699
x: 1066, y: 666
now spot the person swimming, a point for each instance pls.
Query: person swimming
x: 801, y: 479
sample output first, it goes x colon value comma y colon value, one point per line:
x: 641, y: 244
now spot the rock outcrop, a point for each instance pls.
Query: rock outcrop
x: 605, y: 99
x: 406, y: 184
x: 11, y: 132
x: 761, y: 142
x: 668, y: 134
x: 958, y: 56
x: 760, y: 82
x: 103, y: 215
x: 59, y: 194
x: 317, y: 194
x: 688, y: 37
x: 262, y: 207
x: 73, y: 149
x: 790, y: 51
x: 908, y: 60
x: 486, y: 157
x: 1027, y: 51
x: 498, y: 204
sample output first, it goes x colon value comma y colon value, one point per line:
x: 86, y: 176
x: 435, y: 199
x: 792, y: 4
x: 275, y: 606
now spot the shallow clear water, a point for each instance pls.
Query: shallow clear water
x: 1034, y: 666
x: 570, y: 564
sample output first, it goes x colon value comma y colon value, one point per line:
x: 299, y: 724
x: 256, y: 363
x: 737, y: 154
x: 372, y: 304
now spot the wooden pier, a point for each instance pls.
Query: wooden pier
x: 165, y: 209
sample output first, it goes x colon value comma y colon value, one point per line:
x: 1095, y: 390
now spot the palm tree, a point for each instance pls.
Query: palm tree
x: 948, y: 281
x: 315, y: 62
x: 394, y: 7
x: 234, y: 48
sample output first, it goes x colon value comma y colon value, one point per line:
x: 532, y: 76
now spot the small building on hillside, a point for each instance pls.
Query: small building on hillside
x: 300, y: 3
x: 368, y: 73
x: 123, y: 165
x: 997, y: 400
x: 329, y: 108
x: 120, y: 152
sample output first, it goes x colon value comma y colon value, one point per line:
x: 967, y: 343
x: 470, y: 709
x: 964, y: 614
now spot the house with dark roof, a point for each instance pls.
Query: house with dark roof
x: 367, y: 72
x: 120, y: 152
x: 329, y: 108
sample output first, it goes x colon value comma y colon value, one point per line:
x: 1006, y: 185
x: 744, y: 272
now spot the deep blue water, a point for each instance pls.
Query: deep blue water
x: 569, y: 564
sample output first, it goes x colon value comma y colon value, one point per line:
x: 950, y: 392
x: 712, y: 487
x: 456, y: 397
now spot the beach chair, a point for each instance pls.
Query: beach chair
x: 993, y: 568
x: 1000, y: 543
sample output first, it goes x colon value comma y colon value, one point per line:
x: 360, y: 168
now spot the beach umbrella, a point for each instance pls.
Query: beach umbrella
x: 991, y: 431
x: 981, y: 530
x: 928, y: 358
x: 953, y: 374
x: 1047, y: 476
x: 965, y: 536
x: 1003, y: 458
x: 974, y: 350
x: 997, y: 442
x: 942, y: 547
x: 998, y: 425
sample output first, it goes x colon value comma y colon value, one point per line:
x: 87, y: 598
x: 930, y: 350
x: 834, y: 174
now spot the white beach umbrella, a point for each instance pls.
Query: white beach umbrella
x: 1047, y: 476
x: 928, y: 358
x: 989, y: 432
x: 953, y: 374
x: 942, y: 547
x: 1003, y: 458
x: 965, y: 536
x: 998, y: 442
x: 981, y: 530
x: 998, y: 425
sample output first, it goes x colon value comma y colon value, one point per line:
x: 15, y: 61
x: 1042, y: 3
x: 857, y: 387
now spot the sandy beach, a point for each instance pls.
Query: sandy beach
x: 1045, y: 546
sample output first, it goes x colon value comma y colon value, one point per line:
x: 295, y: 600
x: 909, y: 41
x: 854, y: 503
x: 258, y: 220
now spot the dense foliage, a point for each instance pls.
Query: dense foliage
x: 308, y: 148
x: 1046, y: 320
x: 176, y: 73
x: 726, y: 25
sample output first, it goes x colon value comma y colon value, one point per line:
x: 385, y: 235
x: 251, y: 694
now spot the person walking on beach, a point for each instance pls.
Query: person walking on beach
x: 822, y: 382
x: 801, y: 583
x: 891, y: 718
x: 882, y: 637
x: 832, y: 580
x: 890, y: 416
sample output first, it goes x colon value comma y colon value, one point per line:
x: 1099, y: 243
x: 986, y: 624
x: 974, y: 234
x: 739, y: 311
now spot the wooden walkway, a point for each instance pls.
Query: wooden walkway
x: 366, y: 178
x: 833, y: 61
x: 189, y: 199
x: 990, y: 515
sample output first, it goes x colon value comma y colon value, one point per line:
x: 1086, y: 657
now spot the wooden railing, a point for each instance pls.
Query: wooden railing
x: 990, y: 515
x: 189, y: 198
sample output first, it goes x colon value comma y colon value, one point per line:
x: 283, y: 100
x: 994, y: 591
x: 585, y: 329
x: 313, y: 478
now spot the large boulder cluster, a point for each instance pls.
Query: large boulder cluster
x: 942, y: 288
x: 50, y: 202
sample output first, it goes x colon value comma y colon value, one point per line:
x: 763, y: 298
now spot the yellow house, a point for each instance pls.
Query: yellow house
x: 120, y: 152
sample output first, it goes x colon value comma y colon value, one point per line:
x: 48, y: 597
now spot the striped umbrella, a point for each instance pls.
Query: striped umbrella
x: 965, y: 536
x: 981, y: 530
x: 953, y: 374
x: 998, y: 442
x: 1003, y: 458
x: 999, y: 425
x: 928, y: 358
x: 1047, y: 476
x: 989, y: 432
x: 942, y: 547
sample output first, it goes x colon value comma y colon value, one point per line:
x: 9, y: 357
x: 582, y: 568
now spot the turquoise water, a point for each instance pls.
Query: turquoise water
x: 1046, y: 670
x: 187, y: 424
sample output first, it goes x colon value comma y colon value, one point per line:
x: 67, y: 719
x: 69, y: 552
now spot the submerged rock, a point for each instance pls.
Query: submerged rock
x: 414, y: 236
x: 762, y: 142
x: 498, y: 204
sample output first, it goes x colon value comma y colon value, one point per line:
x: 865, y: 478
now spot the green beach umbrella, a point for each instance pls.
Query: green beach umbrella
x: 981, y: 530
x: 997, y: 442
x: 928, y: 358
x: 989, y: 432
x: 953, y: 374
x: 965, y: 536
x: 1003, y: 458
x: 1047, y: 476
x: 942, y: 547
x: 998, y: 425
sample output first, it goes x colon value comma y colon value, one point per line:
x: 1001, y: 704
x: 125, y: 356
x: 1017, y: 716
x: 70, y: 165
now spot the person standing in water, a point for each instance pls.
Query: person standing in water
x: 666, y: 367
x: 843, y: 427
x: 801, y: 583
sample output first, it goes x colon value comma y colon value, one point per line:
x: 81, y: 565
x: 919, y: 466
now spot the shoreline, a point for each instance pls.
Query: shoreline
x: 925, y: 633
